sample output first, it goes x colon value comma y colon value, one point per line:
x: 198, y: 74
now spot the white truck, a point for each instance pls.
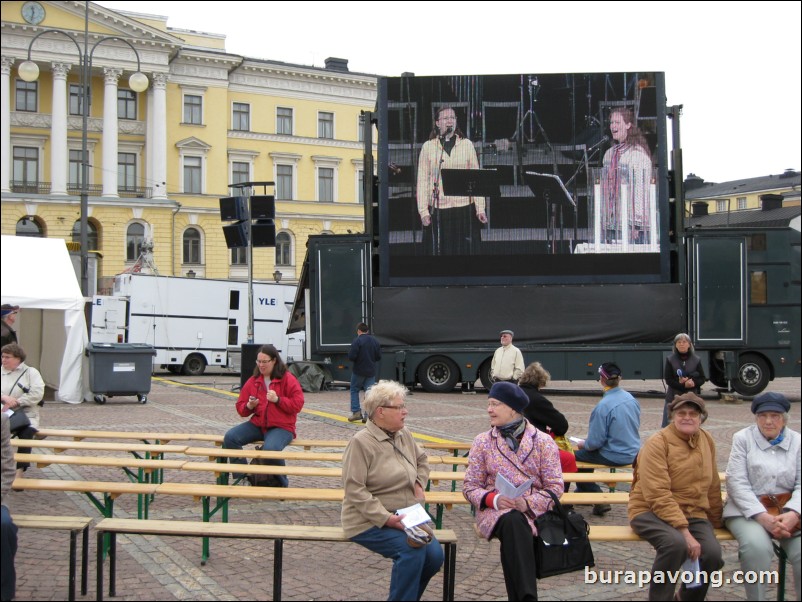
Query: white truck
x: 194, y: 322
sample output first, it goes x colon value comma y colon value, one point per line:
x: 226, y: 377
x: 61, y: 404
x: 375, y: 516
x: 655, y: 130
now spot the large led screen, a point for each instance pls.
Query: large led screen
x: 519, y: 179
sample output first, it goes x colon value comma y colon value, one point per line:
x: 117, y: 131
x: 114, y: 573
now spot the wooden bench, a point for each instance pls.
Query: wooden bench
x: 73, y: 524
x: 278, y: 533
x: 625, y: 533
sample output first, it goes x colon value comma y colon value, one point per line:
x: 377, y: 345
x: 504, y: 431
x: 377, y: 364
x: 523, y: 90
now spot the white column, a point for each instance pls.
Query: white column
x: 159, y: 145
x: 5, y: 122
x: 59, y: 159
x: 110, y: 126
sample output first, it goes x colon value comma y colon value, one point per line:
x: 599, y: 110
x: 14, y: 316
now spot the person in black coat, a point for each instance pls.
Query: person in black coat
x: 540, y: 411
x: 683, y: 372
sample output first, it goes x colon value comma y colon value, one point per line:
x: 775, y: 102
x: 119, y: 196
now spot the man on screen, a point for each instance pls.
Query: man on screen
x: 448, y: 221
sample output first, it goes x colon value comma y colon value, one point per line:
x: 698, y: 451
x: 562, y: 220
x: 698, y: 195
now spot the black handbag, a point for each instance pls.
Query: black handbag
x: 18, y: 422
x: 262, y: 480
x: 562, y: 544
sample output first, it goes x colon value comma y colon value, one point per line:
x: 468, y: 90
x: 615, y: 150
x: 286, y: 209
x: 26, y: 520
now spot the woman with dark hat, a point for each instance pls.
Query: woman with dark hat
x: 516, y: 451
x: 763, y: 490
x: 8, y: 315
x: 675, y: 501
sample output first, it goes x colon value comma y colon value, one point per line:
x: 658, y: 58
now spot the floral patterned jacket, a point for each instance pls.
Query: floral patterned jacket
x: 537, y: 458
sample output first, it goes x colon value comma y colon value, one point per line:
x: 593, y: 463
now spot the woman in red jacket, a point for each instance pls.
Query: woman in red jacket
x: 272, y: 398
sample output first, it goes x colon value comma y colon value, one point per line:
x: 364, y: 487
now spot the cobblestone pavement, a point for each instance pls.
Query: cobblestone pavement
x: 164, y: 568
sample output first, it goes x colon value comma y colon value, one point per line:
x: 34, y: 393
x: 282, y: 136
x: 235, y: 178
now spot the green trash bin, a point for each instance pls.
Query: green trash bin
x: 120, y: 369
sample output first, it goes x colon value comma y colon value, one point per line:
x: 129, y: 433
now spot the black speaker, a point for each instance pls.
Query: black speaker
x: 233, y: 208
x: 264, y: 233
x: 236, y: 235
x: 263, y: 207
x: 249, y: 351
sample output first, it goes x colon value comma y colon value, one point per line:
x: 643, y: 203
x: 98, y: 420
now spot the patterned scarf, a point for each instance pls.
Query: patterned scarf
x: 512, y: 433
x: 779, y: 438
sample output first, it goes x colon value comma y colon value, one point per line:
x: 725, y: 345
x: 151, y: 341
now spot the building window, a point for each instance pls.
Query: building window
x: 284, y: 121
x: 26, y: 169
x: 283, y: 249
x: 741, y: 203
x: 240, y: 172
x: 241, y: 120
x: 193, y: 167
x: 192, y: 246
x: 360, y: 133
x: 134, y: 237
x: 126, y: 104
x: 126, y: 172
x: 325, y: 125
x: 26, y: 96
x: 193, y: 109
x: 284, y: 182
x: 239, y: 256
x: 325, y: 184
x: 360, y: 182
x: 723, y: 206
x: 28, y: 226
x: 74, y: 180
x: 75, y: 99
x: 91, y: 234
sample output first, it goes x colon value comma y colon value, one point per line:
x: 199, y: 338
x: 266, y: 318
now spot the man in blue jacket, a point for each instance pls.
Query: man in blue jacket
x: 365, y: 353
x: 613, y: 432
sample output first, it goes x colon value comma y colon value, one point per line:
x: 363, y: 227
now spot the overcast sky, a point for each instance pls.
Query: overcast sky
x: 735, y: 67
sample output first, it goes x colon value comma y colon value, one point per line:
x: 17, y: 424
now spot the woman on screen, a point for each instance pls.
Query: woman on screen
x: 627, y: 182
x: 448, y: 221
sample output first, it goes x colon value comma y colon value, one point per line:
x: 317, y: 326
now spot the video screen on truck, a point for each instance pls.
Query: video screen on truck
x: 529, y: 178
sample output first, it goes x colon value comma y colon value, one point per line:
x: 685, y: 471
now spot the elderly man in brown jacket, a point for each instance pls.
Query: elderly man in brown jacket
x: 676, y: 499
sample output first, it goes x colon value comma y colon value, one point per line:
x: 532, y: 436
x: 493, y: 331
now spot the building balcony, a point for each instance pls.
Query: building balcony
x: 130, y: 192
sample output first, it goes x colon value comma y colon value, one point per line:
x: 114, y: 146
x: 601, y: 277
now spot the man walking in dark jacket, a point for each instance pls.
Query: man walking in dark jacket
x: 365, y: 353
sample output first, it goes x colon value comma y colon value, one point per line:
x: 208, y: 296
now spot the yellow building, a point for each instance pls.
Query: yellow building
x: 160, y: 160
x: 745, y: 194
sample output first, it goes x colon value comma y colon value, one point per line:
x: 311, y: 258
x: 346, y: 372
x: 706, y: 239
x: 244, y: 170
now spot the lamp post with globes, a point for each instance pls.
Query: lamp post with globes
x: 29, y: 71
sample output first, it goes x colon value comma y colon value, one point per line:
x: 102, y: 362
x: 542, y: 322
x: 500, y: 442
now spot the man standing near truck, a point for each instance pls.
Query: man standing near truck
x: 508, y: 361
x: 365, y: 353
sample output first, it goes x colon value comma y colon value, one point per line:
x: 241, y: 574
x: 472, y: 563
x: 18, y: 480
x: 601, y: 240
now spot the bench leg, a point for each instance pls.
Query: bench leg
x: 449, y: 570
x: 781, y: 566
x: 73, y: 562
x: 84, y: 560
x: 112, y: 564
x: 99, y: 566
x: 278, y: 562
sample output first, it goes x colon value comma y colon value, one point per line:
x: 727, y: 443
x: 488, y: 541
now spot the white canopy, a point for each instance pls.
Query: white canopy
x: 37, y: 274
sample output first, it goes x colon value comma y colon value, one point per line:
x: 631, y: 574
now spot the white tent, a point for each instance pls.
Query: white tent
x: 37, y: 275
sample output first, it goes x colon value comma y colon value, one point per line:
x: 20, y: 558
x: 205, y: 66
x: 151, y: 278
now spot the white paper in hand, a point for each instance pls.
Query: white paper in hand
x: 415, y: 515
x: 507, y: 489
x: 692, y: 566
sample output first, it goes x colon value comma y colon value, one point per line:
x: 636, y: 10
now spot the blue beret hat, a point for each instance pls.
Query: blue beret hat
x: 510, y: 394
x: 770, y: 402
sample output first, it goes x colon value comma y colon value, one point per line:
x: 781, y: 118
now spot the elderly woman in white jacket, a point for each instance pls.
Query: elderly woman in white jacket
x: 22, y: 390
x: 763, y: 490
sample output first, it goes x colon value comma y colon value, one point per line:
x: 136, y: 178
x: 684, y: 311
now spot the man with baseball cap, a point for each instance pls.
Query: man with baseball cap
x: 508, y: 361
x: 8, y: 315
x: 613, y: 431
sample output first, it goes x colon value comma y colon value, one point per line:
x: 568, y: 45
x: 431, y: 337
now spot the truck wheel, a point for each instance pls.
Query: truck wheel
x: 438, y: 374
x: 484, y: 375
x: 753, y: 375
x: 194, y: 365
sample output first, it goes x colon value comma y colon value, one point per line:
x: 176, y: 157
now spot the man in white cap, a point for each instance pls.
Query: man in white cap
x: 508, y: 361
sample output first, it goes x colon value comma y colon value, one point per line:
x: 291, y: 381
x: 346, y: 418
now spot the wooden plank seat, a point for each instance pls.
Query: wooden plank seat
x: 133, y: 448
x: 278, y: 533
x: 109, y: 490
x: 73, y: 524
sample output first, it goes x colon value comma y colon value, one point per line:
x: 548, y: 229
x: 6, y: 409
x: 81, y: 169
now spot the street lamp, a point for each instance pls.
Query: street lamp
x: 29, y: 71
